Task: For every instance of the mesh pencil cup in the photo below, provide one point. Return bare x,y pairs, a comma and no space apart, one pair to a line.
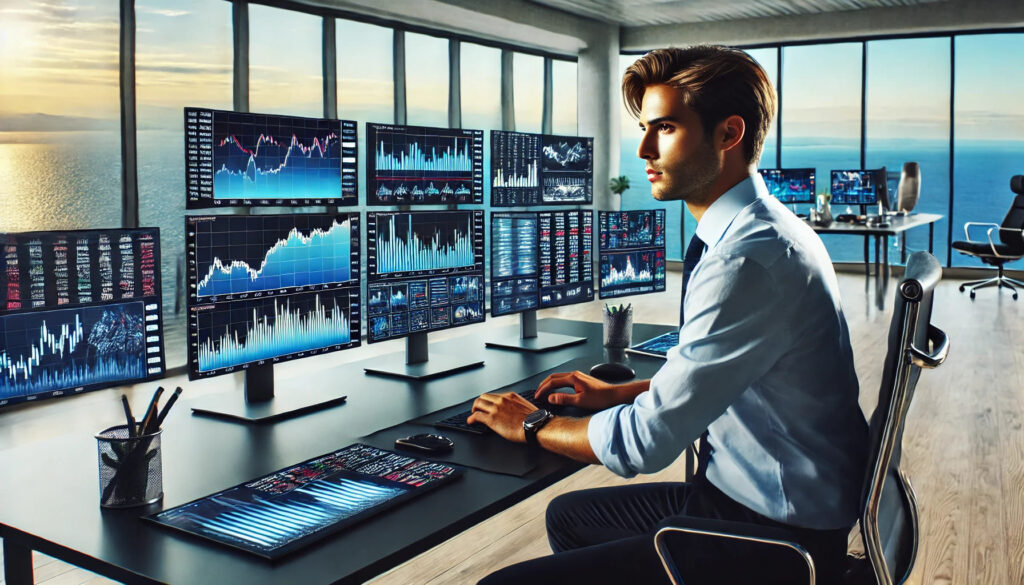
618,328
129,467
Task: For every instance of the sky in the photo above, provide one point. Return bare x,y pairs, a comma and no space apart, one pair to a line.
59,60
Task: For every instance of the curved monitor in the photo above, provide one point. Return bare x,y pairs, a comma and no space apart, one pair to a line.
425,271
79,311
270,288
790,185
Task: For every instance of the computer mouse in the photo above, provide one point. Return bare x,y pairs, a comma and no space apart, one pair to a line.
612,372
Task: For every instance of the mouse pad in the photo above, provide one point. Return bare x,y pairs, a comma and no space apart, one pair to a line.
485,452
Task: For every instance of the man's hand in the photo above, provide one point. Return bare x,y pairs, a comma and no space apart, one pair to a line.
504,413
591,393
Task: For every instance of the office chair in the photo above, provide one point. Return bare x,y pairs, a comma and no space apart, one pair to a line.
888,514
1009,248
908,191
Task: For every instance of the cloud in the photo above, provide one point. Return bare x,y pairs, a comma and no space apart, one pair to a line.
183,68
163,11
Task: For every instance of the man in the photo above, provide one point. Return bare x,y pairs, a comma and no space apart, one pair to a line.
764,362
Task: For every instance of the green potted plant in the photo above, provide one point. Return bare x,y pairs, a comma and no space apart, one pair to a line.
619,184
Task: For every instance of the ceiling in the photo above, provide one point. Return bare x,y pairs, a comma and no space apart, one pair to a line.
634,13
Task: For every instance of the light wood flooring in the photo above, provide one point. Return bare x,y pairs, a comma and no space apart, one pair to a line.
963,448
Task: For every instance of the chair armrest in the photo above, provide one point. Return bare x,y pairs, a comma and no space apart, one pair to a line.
992,245
703,527
969,224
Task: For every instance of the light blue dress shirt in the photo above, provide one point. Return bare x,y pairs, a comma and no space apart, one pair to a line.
764,363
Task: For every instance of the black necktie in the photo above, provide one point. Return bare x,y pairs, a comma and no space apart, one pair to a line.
693,253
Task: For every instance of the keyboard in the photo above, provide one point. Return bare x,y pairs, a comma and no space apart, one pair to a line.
457,422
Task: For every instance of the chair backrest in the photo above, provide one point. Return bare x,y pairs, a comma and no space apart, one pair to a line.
889,511
1015,217
909,189
882,188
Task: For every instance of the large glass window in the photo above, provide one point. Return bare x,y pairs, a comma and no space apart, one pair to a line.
285,62
638,196
183,58
528,91
768,59
821,120
426,80
366,81
908,121
989,123
60,141
563,97
480,83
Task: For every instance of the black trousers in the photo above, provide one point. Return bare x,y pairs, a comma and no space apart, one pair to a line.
606,535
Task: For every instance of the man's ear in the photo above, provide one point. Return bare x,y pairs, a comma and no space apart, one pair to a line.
730,132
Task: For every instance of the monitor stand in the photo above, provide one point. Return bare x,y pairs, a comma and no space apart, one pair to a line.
303,394
529,339
416,364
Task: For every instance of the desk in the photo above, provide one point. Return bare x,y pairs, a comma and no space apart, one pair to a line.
51,498
898,224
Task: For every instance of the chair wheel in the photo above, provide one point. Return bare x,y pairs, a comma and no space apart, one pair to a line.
972,295
961,288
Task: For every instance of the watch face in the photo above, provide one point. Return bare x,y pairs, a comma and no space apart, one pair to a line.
536,417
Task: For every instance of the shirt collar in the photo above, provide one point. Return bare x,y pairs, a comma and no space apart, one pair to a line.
720,214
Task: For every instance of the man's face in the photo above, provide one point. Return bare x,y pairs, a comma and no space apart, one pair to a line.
681,162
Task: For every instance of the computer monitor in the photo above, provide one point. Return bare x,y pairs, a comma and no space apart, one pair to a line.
265,289
631,247
425,272
790,185
855,187
539,259
417,165
540,169
239,158
79,311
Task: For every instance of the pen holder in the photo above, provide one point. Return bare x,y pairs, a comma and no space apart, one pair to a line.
130,469
618,328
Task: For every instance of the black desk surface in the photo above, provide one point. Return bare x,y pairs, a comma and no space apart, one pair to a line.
50,493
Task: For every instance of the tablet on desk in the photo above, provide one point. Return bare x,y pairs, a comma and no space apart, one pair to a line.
284,511
656,346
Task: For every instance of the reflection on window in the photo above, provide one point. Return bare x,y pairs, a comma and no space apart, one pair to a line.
183,58
768,60
60,147
908,120
563,97
989,118
638,196
426,80
366,83
821,120
285,62
528,89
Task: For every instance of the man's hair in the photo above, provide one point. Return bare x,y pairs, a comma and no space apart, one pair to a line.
716,82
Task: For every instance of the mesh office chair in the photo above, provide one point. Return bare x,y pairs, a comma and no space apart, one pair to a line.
888,518
1010,246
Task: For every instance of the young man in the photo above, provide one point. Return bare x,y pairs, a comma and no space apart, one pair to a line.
764,362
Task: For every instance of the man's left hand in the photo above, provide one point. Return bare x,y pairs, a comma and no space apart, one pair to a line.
504,413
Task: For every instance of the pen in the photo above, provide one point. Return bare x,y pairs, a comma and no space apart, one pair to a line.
151,411
167,408
128,416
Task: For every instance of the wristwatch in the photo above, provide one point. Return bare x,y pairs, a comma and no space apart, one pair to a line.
534,422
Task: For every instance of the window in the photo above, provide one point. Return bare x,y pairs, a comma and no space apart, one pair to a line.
528,90
821,87
989,122
768,59
426,80
563,97
480,83
60,141
183,58
908,120
285,62
366,81
638,196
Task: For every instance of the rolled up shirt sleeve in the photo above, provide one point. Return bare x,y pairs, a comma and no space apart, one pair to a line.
738,324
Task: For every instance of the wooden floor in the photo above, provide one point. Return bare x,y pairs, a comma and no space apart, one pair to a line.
963,449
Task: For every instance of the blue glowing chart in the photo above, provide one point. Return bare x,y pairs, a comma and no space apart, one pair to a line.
420,165
790,185
230,256
284,511
631,252
235,158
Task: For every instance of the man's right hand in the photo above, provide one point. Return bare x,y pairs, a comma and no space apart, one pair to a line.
591,393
